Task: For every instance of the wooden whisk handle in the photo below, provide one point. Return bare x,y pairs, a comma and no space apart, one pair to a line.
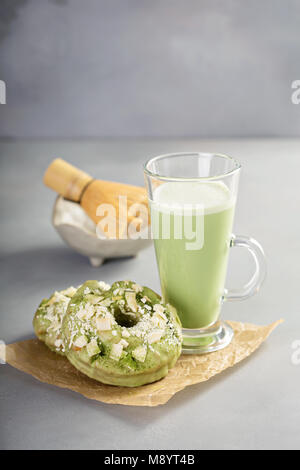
66,179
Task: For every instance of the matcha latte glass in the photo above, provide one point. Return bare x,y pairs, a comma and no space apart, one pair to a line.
192,198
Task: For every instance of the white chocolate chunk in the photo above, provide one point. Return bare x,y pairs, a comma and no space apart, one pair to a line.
103,285
158,308
131,301
137,288
92,348
106,302
103,324
116,351
154,336
159,320
85,312
124,343
125,334
140,353
95,299
70,291
89,310
100,310
58,343
58,297
80,342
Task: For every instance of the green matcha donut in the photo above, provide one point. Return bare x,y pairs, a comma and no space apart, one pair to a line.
122,336
48,318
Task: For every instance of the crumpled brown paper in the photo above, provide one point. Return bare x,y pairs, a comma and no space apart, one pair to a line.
36,359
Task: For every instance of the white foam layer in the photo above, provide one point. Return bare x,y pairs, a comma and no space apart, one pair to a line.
210,197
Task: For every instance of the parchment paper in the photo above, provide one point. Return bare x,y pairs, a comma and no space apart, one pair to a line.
34,358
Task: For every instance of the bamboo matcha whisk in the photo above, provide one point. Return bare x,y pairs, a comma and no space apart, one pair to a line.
76,185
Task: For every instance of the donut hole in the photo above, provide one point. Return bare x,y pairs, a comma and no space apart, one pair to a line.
125,319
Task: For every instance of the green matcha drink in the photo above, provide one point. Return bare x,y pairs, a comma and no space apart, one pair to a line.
193,274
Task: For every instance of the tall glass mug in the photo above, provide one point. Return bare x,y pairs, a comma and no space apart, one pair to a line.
192,198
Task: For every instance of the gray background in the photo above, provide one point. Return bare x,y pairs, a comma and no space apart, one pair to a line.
149,67
255,405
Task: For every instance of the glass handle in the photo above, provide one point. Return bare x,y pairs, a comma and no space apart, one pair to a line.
253,285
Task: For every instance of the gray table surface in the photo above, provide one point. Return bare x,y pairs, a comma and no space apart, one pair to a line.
255,405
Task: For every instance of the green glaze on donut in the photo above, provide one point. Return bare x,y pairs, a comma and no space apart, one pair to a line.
122,336
48,318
